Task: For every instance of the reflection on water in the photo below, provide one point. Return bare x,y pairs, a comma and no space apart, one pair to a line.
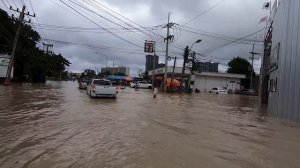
58,125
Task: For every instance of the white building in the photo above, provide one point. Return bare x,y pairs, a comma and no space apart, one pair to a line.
205,81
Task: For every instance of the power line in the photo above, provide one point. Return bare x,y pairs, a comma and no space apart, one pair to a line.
94,47
43,33
226,44
87,31
231,40
107,12
90,46
204,12
5,5
22,1
125,18
99,25
8,7
15,3
89,28
199,31
109,20
112,22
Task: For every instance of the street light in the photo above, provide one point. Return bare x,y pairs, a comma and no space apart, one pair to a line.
198,41
193,55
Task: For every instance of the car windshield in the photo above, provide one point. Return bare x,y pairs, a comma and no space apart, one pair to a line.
101,82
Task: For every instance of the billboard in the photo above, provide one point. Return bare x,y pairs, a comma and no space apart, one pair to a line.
149,46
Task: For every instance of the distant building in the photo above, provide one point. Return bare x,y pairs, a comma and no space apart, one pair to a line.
149,62
121,69
207,67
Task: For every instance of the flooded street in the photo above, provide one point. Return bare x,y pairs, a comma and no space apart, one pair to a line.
58,125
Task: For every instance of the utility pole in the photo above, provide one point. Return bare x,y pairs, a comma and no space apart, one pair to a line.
113,70
167,39
11,61
175,58
192,68
47,47
167,53
252,58
185,57
153,76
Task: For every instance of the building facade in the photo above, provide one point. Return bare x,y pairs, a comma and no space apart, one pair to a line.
205,81
281,63
149,62
114,70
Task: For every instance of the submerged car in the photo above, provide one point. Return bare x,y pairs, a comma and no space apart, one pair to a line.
84,83
141,84
250,92
218,90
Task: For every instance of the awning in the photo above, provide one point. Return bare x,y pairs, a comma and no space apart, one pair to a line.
128,78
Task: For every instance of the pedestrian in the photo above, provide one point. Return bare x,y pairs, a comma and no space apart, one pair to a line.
155,91
136,86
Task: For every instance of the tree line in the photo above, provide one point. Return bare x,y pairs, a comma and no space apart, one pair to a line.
31,63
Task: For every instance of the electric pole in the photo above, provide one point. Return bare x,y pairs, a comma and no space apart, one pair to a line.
185,58
167,39
19,23
47,47
113,70
252,58
154,62
192,61
171,83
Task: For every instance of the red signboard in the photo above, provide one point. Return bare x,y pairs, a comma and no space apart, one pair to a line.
149,47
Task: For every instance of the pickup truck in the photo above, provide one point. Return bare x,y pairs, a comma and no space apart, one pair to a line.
83,83
141,84
101,88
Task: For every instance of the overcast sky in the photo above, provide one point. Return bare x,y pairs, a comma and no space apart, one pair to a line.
118,28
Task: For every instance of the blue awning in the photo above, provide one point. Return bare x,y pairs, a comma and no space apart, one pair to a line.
111,77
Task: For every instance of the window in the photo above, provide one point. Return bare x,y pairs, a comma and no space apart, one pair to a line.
273,85
102,82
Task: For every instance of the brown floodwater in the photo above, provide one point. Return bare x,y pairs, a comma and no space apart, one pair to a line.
58,125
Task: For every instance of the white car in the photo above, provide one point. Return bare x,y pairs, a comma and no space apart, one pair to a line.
101,88
218,90
141,84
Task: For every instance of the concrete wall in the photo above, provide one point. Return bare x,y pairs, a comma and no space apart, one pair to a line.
284,102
